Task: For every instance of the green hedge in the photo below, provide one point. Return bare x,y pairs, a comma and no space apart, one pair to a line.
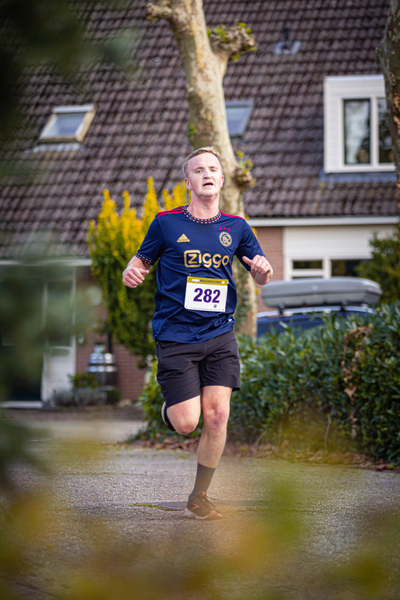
335,386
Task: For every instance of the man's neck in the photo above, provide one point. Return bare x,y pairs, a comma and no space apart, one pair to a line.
204,210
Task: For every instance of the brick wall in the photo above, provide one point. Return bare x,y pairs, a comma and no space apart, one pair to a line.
271,241
130,379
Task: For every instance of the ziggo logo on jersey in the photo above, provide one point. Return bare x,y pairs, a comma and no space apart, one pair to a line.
194,258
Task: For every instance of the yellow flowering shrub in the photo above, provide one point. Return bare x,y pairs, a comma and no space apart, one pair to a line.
178,193
113,239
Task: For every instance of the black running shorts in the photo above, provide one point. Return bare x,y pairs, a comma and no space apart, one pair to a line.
183,369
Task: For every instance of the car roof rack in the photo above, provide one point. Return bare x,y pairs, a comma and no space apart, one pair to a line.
319,292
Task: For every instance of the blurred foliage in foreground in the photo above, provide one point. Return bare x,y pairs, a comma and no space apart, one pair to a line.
58,35
288,549
27,323
331,387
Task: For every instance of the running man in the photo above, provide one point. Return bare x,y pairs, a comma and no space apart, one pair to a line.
196,348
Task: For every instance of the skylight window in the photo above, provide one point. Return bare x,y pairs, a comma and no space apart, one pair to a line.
68,124
238,115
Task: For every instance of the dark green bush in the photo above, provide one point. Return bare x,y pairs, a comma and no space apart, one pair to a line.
277,375
335,386
384,266
83,380
344,376
376,383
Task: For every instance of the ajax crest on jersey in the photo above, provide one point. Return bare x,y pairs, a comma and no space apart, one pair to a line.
225,239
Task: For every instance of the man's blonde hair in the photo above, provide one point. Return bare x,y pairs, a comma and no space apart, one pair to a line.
205,150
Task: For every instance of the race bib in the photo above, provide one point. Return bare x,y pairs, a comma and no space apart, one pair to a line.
206,294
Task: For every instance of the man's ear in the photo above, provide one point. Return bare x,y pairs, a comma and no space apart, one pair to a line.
187,183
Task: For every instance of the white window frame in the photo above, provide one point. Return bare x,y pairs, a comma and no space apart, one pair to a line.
79,134
328,242
292,273
337,89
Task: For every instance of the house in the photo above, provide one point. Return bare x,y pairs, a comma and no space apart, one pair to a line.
308,108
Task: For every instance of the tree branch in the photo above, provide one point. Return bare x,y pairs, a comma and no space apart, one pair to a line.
162,9
233,42
244,178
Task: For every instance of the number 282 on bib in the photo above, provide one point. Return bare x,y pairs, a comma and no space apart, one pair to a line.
207,294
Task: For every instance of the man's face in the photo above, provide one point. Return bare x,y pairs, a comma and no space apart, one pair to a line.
205,177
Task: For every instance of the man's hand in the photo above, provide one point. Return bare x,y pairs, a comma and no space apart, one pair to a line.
134,273
260,269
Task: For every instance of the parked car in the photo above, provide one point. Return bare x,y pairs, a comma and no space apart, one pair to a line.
301,303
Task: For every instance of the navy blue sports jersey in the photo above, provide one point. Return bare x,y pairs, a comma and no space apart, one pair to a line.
196,294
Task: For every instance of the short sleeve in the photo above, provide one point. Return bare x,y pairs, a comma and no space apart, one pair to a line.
249,245
153,244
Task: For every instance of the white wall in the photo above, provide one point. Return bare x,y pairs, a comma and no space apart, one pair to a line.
328,242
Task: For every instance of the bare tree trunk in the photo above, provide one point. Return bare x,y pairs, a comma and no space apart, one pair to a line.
389,59
205,59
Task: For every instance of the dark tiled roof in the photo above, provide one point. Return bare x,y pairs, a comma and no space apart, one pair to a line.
140,125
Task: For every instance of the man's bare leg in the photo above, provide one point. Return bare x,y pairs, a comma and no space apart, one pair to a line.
184,418
215,401
185,415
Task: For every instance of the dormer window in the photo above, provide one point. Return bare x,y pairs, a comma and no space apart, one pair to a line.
68,124
238,115
356,127
362,119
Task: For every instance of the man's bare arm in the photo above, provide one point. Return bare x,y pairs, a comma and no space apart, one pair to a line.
134,273
261,270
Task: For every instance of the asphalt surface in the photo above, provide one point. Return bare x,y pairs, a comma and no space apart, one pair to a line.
326,515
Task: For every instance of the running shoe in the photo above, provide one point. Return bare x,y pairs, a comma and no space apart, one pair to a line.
164,416
199,507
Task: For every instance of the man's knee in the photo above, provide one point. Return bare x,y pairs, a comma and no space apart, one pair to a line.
185,416
216,417
186,427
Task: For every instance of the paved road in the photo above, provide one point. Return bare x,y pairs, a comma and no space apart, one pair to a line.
320,516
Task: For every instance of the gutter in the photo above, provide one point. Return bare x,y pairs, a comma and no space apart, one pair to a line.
68,262
318,221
